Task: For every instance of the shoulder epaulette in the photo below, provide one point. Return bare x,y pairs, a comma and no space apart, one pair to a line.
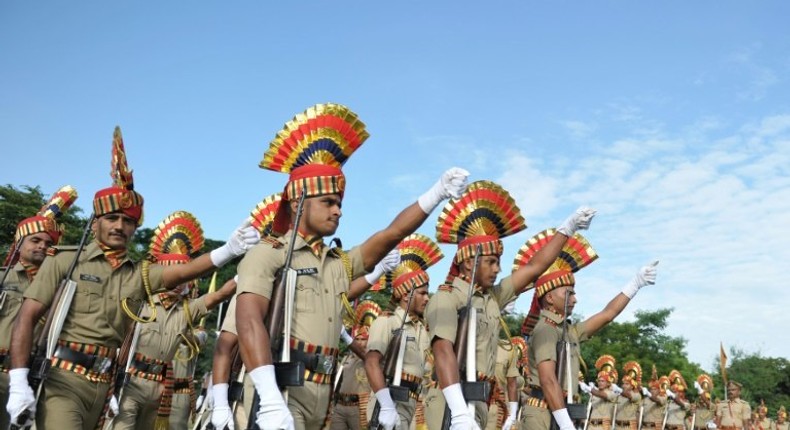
446,287
550,322
272,241
339,253
54,250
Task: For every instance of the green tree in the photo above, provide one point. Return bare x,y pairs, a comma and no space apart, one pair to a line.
763,378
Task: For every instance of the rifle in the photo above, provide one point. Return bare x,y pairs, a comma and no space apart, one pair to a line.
278,322
48,339
465,349
126,353
11,258
666,415
575,411
393,367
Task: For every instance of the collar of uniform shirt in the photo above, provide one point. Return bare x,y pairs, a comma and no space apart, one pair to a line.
316,243
114,256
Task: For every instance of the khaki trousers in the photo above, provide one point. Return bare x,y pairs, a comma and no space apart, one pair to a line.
70,401
434,410
139,404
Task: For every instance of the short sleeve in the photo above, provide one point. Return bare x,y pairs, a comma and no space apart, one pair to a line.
258,270
441,316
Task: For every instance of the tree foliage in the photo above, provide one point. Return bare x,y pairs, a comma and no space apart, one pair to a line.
763,378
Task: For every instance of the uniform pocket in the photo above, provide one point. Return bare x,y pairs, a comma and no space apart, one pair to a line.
11,304
87,297
306,296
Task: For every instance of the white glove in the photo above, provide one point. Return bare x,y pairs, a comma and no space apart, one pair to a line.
388,416
222,417
645,276
670,394
580,220
114,405
563,419
201,337
199,402
273,413
645,392
461,418
511,417
616,389
711,425
239,242
584,387
451,184
345,336
387,264
20,397
698,387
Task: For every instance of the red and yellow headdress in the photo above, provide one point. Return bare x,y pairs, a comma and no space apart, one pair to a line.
762,408
706,382
312,148
521,347
632,374
45,220
605,365
482,216
781,413
262,217
677,381
664,383
417,253
120,197
576,254
176,240
366,312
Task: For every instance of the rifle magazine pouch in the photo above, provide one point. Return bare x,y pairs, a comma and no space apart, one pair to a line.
289,374
236,391
476,391
399,394
577,411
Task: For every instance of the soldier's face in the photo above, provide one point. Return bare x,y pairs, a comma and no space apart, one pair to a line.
419,301
321,215
557,299
487,270
603,384
114,229
34,248
733,391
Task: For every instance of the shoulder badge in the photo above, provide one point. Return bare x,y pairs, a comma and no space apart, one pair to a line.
54,250
272,241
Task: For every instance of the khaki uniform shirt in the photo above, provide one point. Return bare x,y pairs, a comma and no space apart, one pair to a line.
14,286
542,346
160,339
355,380
783,426
95,316
677,413
442,317
733,412
602,409
654,409
505,368
417,342
702,415
765,424
628,408
318,305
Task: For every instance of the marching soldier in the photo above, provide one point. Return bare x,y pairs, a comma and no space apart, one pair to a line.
32,241
604,397
703,410
733,413
655,403
552,304
351,401
676,415
763,422
504,405
630,399
477,222
76,388
147,398
410,295
781,419
184,394
312,148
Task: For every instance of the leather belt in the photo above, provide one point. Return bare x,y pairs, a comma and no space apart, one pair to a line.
93,363
180,385
344,399
148,367
598,422
318,363
649,425
622,423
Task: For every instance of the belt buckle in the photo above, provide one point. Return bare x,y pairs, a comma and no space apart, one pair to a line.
324,364
155,368
101,364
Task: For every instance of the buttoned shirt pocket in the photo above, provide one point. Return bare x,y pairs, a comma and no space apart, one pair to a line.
11,303
87,297
307,293
149,333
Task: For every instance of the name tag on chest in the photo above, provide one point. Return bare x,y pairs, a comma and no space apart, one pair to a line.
90,278
307,271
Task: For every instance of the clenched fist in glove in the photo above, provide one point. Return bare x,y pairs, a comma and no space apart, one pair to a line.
580,220
388,415
20,397
451,185
240,241
512,409
273,413
387,264
645,276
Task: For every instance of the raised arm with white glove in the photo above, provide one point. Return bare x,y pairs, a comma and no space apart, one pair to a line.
386,265
451,185
273,413
698,387
645,392
512,409
580,220
584,387
240,241
616,389
221,415
461,418
20,397
388,415
645,276
670,394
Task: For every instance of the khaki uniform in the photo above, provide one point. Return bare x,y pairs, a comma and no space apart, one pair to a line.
183,372
765,424
653,415
505,368
676,416
159,340
73,396
628,411
317,309
542,346
602,410
701,416
414,358
13,287
442,318
350,409
783,426
732,413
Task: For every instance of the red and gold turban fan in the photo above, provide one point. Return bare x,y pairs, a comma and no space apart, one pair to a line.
576,254
366,312
482,216
120,197
706,383
262,217
417,253
45,221
677,382
312,148
605,365
632,374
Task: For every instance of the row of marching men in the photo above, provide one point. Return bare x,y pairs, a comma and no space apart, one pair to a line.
663,404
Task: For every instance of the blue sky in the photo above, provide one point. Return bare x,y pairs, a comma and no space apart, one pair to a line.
670,118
